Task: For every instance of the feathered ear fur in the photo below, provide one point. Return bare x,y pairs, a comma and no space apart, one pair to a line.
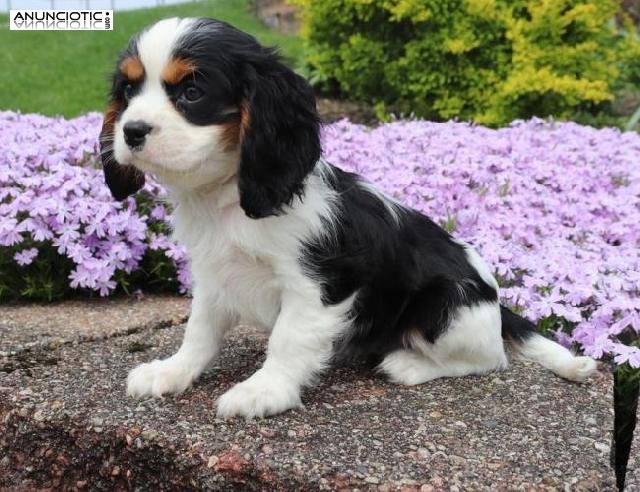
123,181
280,140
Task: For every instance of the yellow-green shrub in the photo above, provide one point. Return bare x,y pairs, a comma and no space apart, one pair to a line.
487,60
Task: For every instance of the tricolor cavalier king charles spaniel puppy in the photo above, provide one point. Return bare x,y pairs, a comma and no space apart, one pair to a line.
278,237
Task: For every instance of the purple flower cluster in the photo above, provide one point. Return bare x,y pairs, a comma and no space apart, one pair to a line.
52,194
553,207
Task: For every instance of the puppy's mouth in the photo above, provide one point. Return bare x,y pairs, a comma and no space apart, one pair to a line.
137,157
132,157
164,171
137,148
144,164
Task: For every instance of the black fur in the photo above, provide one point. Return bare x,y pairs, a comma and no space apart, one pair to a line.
281,144
123,181
410,275
515,328
216,50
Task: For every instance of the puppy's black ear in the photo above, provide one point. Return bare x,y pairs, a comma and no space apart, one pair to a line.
123,181
280,137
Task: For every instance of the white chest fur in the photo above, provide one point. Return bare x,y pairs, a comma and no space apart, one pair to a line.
247,263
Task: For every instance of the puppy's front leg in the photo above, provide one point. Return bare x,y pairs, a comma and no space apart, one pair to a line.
201,344
300,346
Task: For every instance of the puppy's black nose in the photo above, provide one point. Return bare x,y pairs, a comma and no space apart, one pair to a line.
135,132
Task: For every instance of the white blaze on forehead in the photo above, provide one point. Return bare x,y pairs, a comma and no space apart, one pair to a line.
158,42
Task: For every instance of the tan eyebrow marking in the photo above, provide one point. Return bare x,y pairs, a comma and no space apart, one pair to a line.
177,69
132,68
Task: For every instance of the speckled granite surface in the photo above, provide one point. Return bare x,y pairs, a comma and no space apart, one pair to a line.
27,325
66,423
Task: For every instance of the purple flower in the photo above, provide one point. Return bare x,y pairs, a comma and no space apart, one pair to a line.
158,212
26,256
628,354
52,193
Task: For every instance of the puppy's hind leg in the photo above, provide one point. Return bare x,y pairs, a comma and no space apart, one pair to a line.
472,344
410,367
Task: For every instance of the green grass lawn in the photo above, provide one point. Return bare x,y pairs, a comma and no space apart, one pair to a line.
66,72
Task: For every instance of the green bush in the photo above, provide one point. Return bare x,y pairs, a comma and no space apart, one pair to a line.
491,61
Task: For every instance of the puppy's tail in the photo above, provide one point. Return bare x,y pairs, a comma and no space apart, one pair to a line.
523,336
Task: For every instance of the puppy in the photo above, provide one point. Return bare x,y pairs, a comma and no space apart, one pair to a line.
280,238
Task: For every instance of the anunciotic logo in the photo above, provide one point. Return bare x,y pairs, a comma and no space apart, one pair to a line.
61,20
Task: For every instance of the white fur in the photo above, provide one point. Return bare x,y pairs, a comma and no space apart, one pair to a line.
555,357
299,347
539,349
249,268
156,44
206,327
480,265
471,345
242,268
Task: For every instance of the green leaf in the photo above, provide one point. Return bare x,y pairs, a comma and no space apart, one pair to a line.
626,388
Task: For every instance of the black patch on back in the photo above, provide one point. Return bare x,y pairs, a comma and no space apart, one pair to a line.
410,276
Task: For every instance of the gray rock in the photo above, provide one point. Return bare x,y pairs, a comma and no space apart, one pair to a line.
357,431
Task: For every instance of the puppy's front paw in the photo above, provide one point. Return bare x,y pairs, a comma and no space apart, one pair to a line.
160,377
261,395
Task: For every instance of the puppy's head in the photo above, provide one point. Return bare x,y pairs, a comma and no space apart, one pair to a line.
197,102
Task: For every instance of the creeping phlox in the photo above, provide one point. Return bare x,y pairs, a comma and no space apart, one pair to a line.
553,207
52,195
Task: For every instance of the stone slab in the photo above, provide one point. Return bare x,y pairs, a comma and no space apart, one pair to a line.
28,324
66,423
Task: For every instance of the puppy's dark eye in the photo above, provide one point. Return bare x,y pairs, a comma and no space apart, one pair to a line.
128,92
191,93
